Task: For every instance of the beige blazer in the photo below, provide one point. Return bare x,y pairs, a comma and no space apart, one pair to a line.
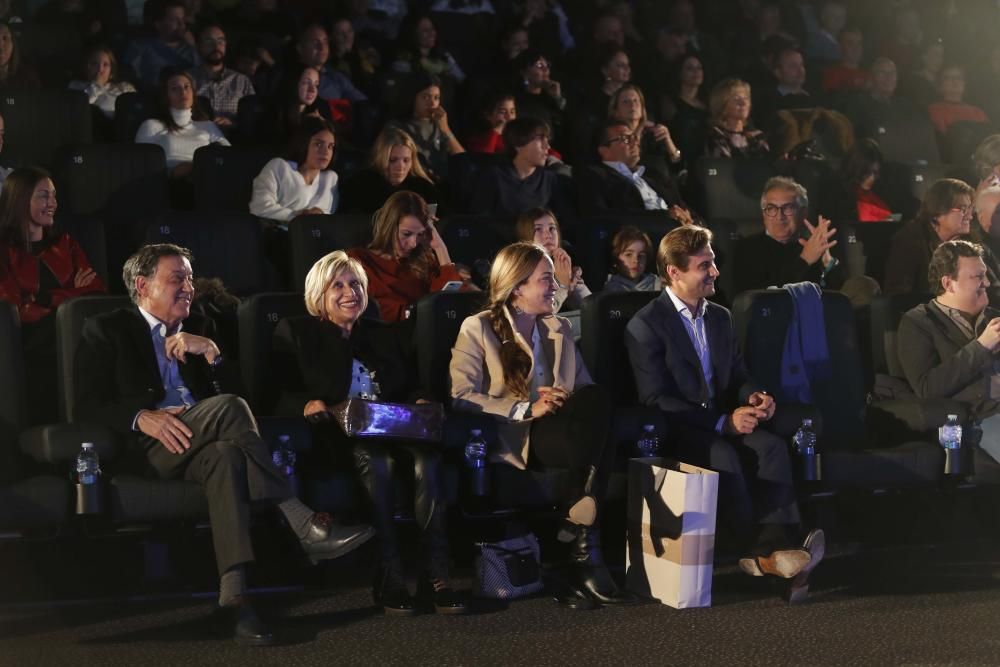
477,377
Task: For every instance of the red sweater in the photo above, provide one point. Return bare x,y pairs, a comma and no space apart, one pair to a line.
20,280
394,287
944,114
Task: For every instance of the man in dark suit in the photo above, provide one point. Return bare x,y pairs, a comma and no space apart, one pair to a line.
947,346
618,183
686,361
149,373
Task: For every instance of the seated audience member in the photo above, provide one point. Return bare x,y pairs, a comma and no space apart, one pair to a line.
428,126
618,183
332,355
719,414
420,51
731,133
499,111
406,259
174,413
685,108
100,80
223,87
614,71
872,110
539,226
313,49
358,62
923,83
630,251
847,75
950,108
987,230
302,184
540,96
860,172
986,160
169,48
394,166
546,22
789,71
789,249
522,182
15,74
548,412
299,99
179,125
947,346
823,42
40,269
628,106
944,215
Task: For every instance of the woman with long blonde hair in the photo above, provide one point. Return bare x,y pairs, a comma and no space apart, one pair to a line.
518,362
394,166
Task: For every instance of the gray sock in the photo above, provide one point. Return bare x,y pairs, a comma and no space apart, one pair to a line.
232,585
298,516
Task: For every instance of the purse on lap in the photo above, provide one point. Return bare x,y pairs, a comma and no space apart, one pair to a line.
365,418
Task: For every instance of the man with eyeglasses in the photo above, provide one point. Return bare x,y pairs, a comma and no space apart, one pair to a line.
222,86
619,183
790,249
945,214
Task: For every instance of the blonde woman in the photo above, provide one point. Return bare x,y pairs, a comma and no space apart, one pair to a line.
331,355
730,133
394,166
406,259
628,105
517,362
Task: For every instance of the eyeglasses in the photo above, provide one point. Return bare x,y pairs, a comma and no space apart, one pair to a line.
965,209
771,210
625,139
541,64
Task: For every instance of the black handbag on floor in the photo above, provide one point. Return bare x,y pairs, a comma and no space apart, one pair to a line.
508,569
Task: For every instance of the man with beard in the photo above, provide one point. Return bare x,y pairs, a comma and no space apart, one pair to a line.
222,86
686,361
169,48
947,346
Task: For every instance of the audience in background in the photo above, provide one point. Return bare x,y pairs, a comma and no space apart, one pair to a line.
299,99
950,107
656,145
539,226
313,50
861,171
170,47
522,182
421,53
630,253
538,95
223,87
100,80
394,166
847,75
499,110
731,133
428,126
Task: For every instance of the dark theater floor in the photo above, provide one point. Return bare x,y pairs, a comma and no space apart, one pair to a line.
922,590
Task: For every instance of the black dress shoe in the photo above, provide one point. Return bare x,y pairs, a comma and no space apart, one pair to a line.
246,626
440,596
325,540
389,592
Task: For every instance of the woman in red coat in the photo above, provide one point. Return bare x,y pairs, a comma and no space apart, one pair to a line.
39,269
406,259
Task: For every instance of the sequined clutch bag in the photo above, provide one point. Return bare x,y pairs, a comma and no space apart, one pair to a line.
364,418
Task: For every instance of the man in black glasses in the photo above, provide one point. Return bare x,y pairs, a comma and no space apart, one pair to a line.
619,183
790,249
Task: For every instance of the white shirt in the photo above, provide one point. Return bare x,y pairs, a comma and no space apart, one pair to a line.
650,200
180,146
541,374
103,96
280,191
694,324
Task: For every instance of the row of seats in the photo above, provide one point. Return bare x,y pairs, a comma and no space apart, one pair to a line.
884,444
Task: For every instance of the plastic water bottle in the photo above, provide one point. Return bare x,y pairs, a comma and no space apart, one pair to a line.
284,456
88,466
475,461
648,444
805,443
950,437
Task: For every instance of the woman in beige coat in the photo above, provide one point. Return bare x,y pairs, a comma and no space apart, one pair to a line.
518,362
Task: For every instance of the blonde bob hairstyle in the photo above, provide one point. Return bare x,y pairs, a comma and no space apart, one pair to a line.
512,267
323,273
616,98
721,94
389,138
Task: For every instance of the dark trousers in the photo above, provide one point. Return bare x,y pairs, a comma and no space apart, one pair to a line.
756,485
376,462
232,464
576,438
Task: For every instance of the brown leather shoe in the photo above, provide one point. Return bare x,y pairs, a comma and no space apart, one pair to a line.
784,563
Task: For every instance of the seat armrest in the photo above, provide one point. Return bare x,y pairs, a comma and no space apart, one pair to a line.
60,443
921,414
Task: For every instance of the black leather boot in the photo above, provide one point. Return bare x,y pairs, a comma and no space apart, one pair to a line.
389,590
437,594
590,571
582,511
